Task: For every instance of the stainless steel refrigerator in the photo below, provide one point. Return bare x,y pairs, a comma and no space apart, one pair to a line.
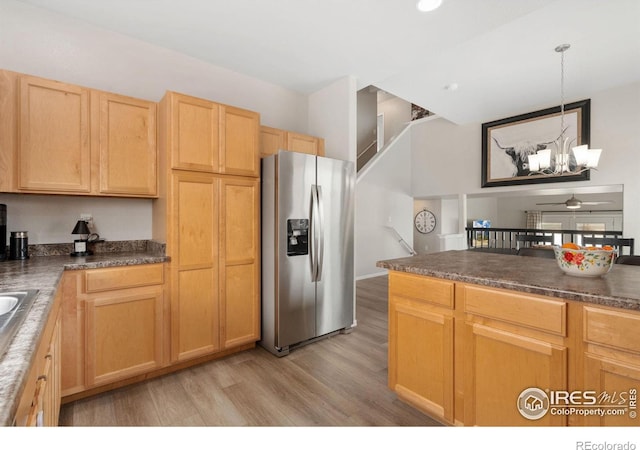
307,249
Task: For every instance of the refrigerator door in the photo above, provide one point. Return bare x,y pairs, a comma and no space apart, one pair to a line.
335,285
295,299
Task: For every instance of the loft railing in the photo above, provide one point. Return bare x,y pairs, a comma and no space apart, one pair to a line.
506,240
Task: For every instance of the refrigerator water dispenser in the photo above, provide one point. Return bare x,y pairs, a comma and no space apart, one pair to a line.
297,237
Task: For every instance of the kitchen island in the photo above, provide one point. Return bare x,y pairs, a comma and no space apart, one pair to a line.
44,274
491,339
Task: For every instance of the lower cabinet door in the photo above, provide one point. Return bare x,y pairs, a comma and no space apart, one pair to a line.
616,384
240,268
421,358
124,335
500,369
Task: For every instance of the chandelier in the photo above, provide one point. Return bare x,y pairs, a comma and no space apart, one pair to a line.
558,160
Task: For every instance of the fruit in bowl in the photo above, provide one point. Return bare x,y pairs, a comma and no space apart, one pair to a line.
584,261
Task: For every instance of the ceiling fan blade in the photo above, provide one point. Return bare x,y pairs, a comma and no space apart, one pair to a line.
603,202
556,204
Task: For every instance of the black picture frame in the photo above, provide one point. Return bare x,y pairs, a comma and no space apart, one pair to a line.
506,142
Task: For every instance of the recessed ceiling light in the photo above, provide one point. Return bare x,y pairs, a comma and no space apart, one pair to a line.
451,87
428,5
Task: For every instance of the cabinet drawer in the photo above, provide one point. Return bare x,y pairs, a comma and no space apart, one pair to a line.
422,288
616,329
527,310
98,280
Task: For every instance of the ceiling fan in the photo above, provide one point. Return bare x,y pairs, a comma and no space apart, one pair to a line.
574,203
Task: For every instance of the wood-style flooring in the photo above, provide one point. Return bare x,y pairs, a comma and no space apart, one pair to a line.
337,381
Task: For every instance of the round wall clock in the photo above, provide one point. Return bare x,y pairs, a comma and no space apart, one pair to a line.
425,221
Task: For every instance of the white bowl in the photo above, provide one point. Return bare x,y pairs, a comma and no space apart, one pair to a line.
584,263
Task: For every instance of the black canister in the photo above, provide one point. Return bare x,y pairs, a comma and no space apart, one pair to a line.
18,245
3,232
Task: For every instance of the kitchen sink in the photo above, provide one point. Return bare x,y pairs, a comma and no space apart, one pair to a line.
14,307
8,303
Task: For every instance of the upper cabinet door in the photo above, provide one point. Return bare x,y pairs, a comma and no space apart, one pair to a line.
305,144
54,143
271,140
127,145
194,133
240,142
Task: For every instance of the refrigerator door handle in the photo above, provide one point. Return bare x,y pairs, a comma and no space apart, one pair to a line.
320,250
314,233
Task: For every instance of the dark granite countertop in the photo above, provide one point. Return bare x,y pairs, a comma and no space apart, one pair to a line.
44,273
620,288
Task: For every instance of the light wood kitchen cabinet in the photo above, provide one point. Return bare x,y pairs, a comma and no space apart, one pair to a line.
194,248
305,144
611,340
117,322
205,136
114,325
192,126
124,132
59,138
73,333
421,343
273,139
54,153
8,127
513,342
240,269
464,353
208,214
215,272
40,401
240,142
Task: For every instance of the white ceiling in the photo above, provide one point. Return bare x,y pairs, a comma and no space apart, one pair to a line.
500,53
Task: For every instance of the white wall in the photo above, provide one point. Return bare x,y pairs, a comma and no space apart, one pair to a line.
484,208
447,157
333,115
397,114
367,118
50,219
383,197
450,216
37,42
430,242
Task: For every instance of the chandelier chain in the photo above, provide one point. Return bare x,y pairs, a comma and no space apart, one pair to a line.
561,91
561,49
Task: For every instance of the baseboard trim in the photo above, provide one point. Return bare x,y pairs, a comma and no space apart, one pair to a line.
372,275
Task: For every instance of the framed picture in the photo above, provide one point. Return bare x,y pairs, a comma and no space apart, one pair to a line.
418,112
506,143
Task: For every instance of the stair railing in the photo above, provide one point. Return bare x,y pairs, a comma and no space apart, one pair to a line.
402,242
